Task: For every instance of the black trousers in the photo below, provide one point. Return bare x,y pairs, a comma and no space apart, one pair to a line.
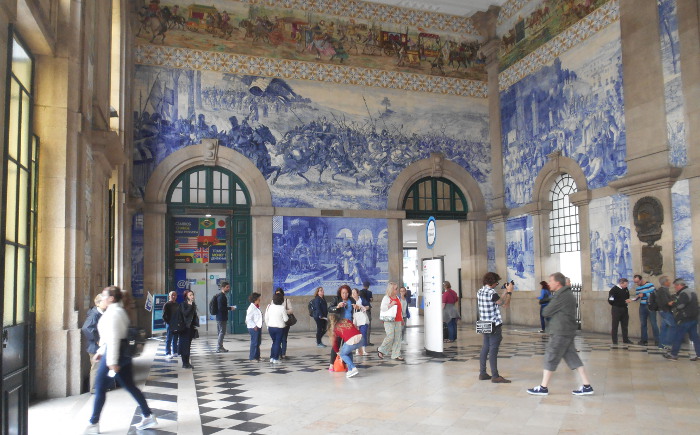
619,316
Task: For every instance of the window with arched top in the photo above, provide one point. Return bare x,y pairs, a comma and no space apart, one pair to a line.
438,197
563,220
208,187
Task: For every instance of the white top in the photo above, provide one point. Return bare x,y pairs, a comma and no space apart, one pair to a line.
253,317
113,327
275,316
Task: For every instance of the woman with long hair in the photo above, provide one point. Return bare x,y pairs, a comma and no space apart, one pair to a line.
343,329
342,306
392,342
360,319
545,295
285,332
188,328
115,361
254,321
320,314
276,318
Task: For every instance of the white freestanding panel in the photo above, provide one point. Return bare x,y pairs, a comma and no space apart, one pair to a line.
432,294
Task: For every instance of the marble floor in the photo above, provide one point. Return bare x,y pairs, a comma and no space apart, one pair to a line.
636,391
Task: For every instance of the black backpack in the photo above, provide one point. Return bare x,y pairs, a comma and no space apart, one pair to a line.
652,302
214,305
311,308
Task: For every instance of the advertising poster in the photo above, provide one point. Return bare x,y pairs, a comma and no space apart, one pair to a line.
158,324
200,240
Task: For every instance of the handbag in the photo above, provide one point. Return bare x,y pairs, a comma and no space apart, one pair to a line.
544,301
388,315
484,327
359,318
291,321
339,365
196,333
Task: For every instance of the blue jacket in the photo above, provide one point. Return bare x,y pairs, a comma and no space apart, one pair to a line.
90,330
222,312
320,307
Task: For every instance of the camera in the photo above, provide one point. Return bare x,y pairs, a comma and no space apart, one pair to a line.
506,283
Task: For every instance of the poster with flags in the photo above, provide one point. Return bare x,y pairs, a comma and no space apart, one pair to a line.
200,240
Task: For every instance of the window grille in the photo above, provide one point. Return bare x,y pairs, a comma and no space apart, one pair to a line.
563,220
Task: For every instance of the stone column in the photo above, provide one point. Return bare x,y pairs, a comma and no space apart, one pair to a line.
474,263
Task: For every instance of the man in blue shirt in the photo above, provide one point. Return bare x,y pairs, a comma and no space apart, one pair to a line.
642,291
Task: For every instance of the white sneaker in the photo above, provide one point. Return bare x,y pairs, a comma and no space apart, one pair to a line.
147,422
168,356
352,373
92,429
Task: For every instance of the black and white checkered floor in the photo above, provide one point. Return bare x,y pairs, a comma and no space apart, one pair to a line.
222,380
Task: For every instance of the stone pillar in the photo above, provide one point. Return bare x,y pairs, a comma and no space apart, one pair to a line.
474,263
154,255
395,245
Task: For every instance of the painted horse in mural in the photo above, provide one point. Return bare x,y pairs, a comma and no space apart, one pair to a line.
156,24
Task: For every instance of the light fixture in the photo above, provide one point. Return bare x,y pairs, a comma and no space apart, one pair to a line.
411,242
416,224
207,215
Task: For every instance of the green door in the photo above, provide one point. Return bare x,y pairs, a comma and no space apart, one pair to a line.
240,269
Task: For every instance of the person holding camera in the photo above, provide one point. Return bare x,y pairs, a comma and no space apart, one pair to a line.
489,302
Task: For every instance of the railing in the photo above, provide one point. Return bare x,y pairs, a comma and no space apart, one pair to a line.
576,288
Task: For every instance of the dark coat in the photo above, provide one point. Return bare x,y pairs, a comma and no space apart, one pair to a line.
320,307
186,318
561,312
90,330
222,312
170,311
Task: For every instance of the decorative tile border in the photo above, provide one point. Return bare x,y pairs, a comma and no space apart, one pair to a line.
574,35
378,12
510,8
184,58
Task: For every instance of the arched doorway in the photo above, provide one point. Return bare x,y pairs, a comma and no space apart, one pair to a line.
208,241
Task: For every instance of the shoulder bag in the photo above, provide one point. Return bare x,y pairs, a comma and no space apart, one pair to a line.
388,315
359,318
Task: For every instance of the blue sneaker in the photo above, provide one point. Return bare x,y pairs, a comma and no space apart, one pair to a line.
320,345
538,391
583,391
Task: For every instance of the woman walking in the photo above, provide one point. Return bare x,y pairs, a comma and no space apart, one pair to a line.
351,337
392,342
188,328
320,310
115,361
285,333
275,318
254,321
544,297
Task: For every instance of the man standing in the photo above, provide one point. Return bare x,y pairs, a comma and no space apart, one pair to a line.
171,337
685,312
562,331
366,293
93,336
642,290
668,324
619,297
489,302
222,315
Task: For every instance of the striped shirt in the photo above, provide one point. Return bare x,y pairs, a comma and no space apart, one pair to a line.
644,291
489,311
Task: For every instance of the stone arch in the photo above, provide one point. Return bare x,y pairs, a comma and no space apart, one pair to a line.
208,153
437,166
557,165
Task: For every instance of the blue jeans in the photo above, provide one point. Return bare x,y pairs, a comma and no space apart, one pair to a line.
690,328
452,329
255,339
285,334
171,341
645,314
347,350
668,328
364,329
276,336
125,377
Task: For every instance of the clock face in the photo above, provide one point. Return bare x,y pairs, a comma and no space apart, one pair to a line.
431,232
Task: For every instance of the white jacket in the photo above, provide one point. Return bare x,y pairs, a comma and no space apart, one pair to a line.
276,316
113,328
253,317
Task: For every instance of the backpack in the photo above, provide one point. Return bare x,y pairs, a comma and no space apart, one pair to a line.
652,302
311,308
214,305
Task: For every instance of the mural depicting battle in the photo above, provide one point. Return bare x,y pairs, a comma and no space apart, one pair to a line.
311,252
537,23
318,145
274,31
670,55
575,105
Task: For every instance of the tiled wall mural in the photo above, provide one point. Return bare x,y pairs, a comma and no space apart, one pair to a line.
610,241
575,105
318,145
670,55
311,252
137,255
682,235
490,247
524,26
353,33
520,252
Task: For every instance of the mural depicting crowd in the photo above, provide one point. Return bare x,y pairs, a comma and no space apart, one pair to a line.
328,252
299,146
577,110
682,232
520,252
610,237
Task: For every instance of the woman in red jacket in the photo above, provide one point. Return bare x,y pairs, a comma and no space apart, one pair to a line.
352,339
